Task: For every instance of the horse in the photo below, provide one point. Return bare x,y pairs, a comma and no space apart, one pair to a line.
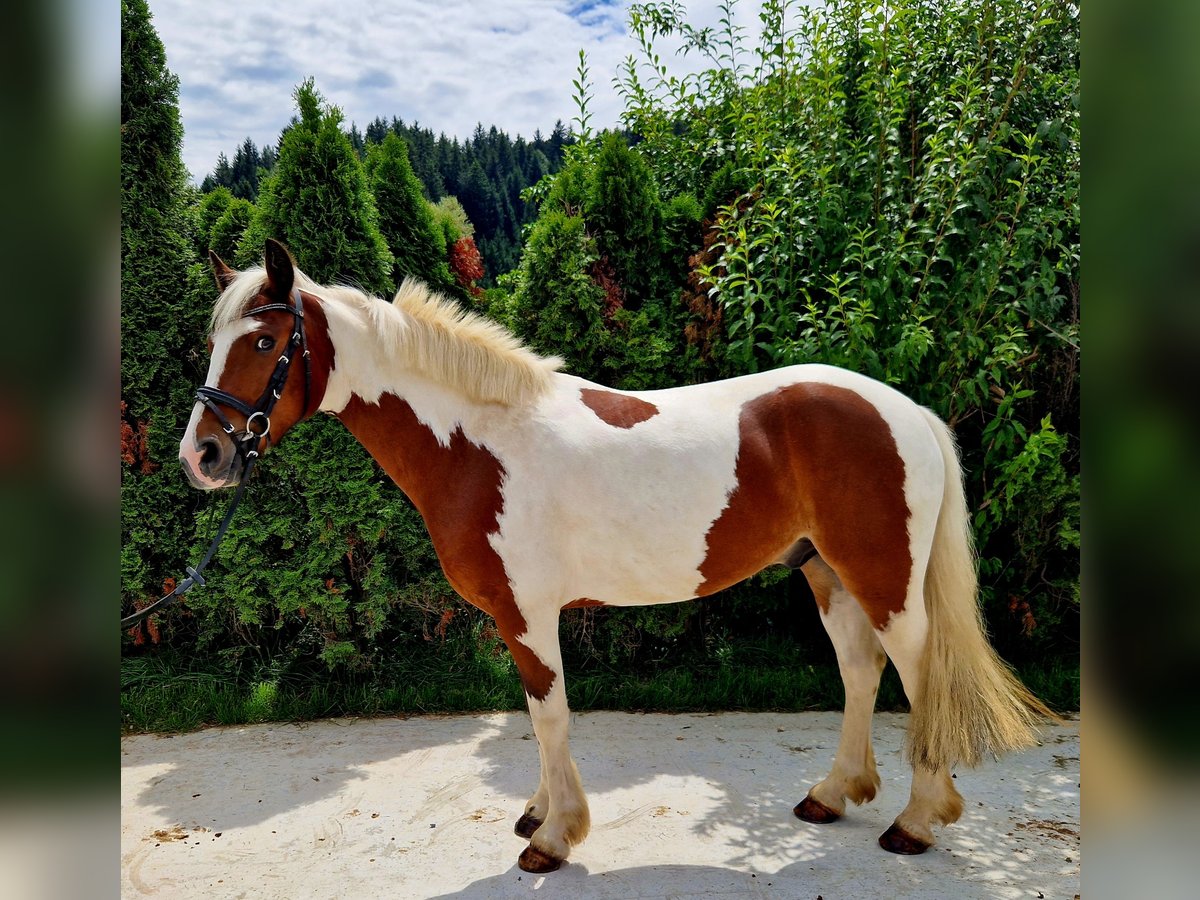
542,492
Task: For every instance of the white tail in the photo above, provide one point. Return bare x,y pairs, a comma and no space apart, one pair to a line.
970,703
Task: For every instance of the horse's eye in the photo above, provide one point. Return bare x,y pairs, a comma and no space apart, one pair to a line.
264,343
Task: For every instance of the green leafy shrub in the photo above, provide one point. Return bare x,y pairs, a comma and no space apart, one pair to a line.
914,216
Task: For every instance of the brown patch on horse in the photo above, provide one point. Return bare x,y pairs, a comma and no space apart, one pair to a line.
456,489
618,410
816,461
583,603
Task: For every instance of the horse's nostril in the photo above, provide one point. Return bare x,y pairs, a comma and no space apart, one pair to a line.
210,452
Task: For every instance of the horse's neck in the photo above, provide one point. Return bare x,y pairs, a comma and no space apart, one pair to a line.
445,473
414,427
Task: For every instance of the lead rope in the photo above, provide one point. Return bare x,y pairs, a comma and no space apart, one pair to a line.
210,397
193,572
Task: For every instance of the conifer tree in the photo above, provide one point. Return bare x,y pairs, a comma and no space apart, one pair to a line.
228,231
342,542
209,210
625,212
317,202
405,217
478,197
557,306
162,317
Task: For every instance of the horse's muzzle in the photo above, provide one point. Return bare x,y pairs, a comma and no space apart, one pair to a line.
210,463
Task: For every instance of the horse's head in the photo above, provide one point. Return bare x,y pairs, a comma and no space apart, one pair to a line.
259,376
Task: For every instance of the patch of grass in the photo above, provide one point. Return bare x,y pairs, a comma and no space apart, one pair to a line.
166,696
1055,683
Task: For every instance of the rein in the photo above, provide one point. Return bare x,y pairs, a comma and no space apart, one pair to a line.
257,429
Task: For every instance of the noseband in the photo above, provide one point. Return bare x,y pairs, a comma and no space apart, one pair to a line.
258,416
247,441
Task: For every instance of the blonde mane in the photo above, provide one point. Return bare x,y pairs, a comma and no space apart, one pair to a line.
425,331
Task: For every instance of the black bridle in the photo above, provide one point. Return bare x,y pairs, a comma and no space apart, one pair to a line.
246,442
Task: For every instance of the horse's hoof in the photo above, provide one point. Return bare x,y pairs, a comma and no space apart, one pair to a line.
897,840
534,860
527,825
815,811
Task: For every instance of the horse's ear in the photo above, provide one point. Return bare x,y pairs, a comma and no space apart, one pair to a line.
221,272
281,271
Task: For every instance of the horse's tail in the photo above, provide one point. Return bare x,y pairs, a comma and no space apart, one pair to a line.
970,703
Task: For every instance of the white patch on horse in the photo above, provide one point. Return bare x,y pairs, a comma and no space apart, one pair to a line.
223,342
628,510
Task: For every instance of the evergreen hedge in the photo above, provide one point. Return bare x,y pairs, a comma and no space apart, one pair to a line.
888,187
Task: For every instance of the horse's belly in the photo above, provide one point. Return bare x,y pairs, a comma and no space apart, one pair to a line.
627,531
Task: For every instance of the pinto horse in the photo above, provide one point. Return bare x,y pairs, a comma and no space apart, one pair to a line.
542,491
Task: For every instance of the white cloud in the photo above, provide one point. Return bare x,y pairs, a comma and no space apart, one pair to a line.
448,64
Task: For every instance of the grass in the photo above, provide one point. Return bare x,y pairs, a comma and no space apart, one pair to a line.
164,696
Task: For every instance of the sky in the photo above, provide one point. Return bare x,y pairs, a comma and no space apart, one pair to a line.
447,64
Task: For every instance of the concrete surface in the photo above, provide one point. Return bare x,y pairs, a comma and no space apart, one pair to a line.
682,806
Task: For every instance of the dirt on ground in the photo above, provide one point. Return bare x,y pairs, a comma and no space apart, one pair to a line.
682,806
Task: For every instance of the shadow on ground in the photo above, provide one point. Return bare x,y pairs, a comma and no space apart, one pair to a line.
682,805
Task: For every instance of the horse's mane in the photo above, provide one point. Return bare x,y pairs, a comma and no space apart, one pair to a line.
425,331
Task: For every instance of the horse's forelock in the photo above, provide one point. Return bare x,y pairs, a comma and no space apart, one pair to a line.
236,299
241,293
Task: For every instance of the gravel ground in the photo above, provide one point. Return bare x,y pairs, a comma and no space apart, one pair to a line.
682,806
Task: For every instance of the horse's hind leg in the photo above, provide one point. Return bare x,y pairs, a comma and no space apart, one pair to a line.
934,799
556,817
861,660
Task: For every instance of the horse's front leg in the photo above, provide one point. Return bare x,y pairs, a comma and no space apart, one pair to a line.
538,805
556,817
